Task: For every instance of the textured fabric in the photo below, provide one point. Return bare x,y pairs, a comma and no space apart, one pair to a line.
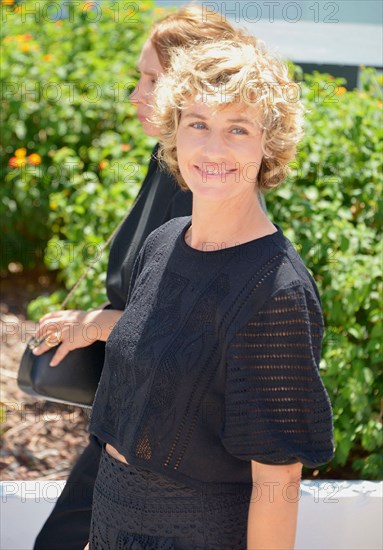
274,396
137,509
168,399
159,200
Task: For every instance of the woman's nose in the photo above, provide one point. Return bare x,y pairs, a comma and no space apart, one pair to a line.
136,96
214,147
133,98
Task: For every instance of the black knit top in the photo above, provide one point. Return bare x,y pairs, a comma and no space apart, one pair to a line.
215,362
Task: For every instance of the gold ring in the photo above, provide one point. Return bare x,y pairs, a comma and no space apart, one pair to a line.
52,340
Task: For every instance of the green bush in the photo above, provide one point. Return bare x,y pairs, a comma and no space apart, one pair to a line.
69,134
93,157
330,208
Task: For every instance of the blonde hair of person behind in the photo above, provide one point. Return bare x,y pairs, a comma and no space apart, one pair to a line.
190,26
228,72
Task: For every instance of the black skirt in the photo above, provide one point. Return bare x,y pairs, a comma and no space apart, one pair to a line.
135,509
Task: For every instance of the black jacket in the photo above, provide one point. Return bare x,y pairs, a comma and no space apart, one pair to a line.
159,200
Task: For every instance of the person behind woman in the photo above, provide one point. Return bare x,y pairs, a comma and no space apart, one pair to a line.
210,399
159,200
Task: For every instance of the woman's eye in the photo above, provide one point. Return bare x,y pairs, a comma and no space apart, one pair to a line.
198,125
239,131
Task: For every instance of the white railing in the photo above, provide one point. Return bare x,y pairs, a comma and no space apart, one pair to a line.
333,515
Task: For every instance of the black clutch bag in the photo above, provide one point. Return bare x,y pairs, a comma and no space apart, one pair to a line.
73,381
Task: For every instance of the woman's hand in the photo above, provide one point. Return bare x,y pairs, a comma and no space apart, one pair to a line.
73,329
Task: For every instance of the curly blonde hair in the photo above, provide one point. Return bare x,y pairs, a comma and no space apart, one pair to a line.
230,72
188,26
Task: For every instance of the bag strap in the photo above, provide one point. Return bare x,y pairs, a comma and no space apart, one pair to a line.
89,269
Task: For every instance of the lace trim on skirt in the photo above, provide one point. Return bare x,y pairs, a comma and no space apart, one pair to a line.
136,509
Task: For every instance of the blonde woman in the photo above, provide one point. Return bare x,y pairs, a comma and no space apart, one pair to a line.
159,200
210,400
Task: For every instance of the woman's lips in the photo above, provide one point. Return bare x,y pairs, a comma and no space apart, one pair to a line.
142,118
214,172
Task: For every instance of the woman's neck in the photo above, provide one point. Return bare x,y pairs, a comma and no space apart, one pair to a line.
216,225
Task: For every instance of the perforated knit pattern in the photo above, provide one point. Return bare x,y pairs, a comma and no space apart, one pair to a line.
276,408
215,362
136,509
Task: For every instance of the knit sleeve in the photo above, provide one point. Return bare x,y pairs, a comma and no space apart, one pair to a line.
276,408
137,267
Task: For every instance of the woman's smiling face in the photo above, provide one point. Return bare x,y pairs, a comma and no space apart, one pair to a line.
219,151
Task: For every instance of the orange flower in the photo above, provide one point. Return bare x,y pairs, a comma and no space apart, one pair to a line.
58,23
20,153
340,90
88,6
48,57
103,164
34,159
27,36
17,162
25,48
379,103
125,147
8,2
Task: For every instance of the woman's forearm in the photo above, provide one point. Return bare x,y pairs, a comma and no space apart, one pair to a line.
273,508
103,320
